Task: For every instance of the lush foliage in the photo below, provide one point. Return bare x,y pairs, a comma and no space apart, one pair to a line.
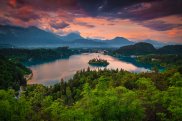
102,95
169,60
12,74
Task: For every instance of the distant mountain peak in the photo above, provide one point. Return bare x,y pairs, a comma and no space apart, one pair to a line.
72,36
143,43
27,36
32,27
155,42
119,38
74,33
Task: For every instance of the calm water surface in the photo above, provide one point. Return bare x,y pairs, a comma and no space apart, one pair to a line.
52,72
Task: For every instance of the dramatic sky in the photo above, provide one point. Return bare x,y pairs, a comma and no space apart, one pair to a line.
105,19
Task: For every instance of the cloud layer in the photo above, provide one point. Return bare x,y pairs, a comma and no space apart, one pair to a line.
158,17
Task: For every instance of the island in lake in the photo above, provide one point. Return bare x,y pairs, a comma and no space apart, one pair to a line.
98,62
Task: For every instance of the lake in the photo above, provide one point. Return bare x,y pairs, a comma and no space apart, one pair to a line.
49,73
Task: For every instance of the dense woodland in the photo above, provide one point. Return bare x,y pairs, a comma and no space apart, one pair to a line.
165,60
22,55
102,95
12,74
143,48
40,55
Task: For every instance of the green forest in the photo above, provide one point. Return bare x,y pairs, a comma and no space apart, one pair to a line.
12,74
143,48
21,55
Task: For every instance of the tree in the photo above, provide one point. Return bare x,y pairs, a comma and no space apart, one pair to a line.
176,80
12,109
172,99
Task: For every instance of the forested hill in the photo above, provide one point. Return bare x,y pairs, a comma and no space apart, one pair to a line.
170,49
12,74
138,48
143,48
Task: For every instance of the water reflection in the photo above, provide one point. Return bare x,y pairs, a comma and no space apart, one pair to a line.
50,73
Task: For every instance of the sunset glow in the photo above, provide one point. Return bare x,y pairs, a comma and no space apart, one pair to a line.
104,19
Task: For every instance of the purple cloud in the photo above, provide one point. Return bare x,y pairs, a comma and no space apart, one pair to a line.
160,25
85,24
59,25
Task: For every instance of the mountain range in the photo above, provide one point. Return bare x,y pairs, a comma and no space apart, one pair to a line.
22,37
13,36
